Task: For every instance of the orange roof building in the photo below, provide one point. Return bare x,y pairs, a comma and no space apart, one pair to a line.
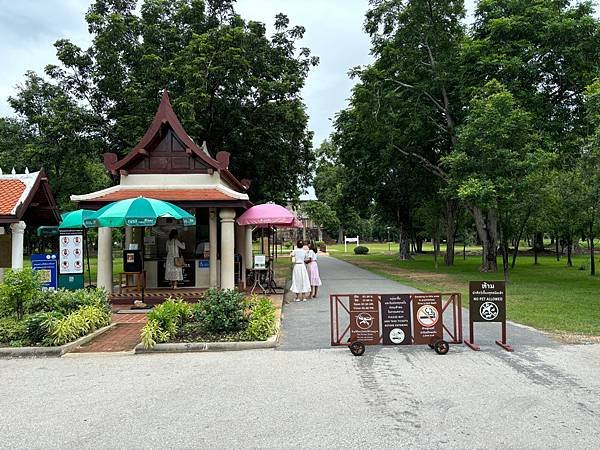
26,201
168,165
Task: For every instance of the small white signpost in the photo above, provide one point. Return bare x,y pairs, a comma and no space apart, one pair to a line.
349,239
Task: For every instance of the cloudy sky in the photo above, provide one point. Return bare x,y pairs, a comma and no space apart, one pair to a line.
28,29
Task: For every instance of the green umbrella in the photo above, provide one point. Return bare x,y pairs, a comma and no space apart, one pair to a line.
137,212
74,219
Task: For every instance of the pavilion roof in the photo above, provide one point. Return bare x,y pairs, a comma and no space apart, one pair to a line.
27,197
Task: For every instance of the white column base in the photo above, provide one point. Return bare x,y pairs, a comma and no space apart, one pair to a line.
105,264
18,232
227,216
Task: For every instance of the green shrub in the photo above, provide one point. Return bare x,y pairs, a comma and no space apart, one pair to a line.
12,330
361,250
287,244
66,302
77,324
164,321
37,326
261,323
19,293
221,311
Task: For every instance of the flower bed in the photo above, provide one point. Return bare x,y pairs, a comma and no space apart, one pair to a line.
31,317
219,316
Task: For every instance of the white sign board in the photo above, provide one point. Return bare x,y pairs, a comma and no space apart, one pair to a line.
71,252
351,240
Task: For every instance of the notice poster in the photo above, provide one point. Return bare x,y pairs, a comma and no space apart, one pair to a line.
364,318
71,252
487,301
427,316
396,320
45,265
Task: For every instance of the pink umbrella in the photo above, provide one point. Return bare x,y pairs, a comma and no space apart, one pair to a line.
269,214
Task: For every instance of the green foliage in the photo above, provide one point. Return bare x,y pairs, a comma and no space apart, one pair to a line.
12,331
261,323
37,326
221,310
65,302
19,292
85,320
361,250
321,214
165,320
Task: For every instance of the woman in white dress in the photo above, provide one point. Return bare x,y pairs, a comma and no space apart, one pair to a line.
313,270
173,273
300,280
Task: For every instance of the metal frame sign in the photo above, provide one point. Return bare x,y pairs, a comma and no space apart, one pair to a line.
364,318
46,265
396,320
487,303
71,252
427,317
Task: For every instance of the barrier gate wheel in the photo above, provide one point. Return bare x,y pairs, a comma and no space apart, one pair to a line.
441,347
357,348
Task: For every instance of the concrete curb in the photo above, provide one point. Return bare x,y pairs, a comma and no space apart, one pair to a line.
207,346
38,352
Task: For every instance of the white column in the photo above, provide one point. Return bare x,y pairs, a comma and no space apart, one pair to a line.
18,232
227,216
1,268
248,249
212,237
105,263
240,248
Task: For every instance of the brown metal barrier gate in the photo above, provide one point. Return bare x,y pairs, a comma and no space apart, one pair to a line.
340,326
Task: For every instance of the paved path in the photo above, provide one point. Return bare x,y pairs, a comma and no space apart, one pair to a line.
123,337
306,325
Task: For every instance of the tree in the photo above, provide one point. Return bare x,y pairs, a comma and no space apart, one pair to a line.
321,214
59,136
231,85
490,167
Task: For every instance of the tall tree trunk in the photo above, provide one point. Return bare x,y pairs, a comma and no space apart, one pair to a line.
556,247
451,219
504,246
592,255
341,235
569,252
538,244
404,253
487,229
518,240
320,233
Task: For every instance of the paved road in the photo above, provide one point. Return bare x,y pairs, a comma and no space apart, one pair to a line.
542,396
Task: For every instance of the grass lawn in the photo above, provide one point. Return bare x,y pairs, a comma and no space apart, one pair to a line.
548,296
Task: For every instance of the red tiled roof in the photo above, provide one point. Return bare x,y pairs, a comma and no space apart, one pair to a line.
10,193
167,195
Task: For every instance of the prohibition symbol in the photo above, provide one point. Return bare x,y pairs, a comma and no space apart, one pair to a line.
397,335
427,315
488,311
364,321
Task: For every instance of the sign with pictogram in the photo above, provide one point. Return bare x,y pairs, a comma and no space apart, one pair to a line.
364,318
487,303
71,252
427,311
396,320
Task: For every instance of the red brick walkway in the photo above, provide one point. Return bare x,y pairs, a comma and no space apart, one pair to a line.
121,338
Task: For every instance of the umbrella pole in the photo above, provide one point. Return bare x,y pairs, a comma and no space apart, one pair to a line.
143,274
87,256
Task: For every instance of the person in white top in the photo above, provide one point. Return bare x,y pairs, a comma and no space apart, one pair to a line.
173,272
300,281
313,270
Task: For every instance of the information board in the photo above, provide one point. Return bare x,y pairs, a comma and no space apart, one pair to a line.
71,252
427,317
487,301
46,265
396,320
364,318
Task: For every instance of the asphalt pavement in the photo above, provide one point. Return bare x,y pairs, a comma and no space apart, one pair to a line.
308,395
